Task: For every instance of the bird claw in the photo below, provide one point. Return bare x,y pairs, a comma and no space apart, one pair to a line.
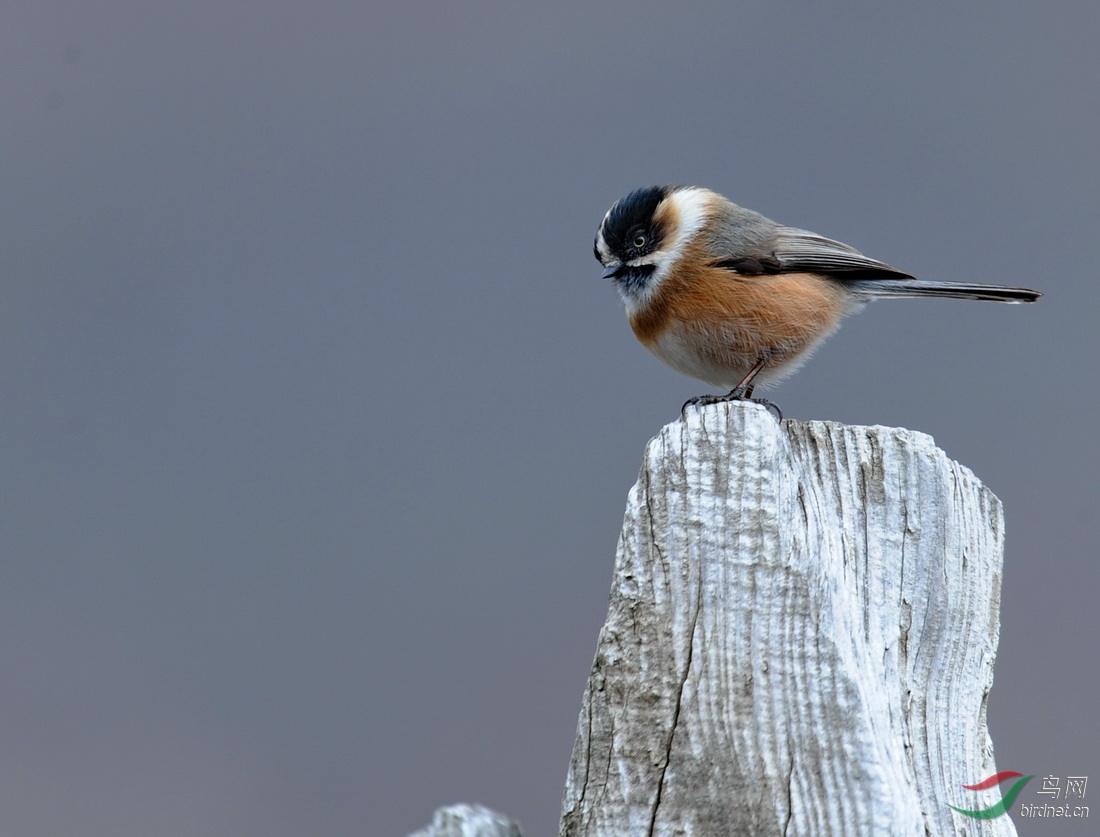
771,406
741,393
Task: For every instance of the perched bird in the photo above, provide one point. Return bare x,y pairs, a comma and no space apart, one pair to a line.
727,296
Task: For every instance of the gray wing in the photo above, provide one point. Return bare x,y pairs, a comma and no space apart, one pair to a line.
757,246
798,251
791,250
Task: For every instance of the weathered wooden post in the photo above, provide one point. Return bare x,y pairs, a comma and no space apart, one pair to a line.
800,639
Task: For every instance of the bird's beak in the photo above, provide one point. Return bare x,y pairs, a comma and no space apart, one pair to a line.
613,271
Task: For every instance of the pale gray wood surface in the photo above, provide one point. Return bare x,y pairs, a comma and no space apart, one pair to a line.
464,820
800,638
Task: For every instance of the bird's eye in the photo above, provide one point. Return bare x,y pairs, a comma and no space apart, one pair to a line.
640,240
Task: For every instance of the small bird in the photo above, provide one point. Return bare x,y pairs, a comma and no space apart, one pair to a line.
727,296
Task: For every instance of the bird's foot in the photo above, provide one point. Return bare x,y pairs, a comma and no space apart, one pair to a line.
741,393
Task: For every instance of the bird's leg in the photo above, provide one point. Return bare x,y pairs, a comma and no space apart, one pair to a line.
741,392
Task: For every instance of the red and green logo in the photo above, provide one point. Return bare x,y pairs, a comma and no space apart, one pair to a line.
1005,802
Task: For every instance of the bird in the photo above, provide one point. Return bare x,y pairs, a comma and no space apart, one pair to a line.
730,297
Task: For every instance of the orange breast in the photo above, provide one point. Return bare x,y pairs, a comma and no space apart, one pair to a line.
712,319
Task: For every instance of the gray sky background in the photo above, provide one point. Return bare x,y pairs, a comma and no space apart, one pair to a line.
317,420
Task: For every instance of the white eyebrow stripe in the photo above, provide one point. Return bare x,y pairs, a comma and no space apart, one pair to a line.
601,242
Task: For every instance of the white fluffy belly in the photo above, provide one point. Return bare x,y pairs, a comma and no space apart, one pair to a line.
717,361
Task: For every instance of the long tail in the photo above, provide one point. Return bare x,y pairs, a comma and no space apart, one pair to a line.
918,287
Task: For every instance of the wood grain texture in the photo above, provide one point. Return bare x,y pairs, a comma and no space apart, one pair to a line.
800,638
